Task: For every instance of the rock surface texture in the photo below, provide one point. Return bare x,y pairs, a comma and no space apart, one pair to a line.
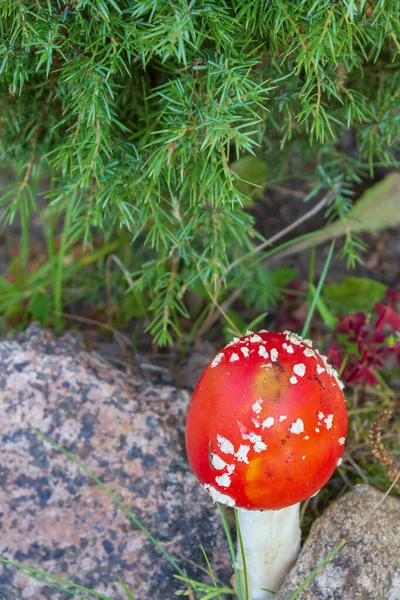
130,433
367,567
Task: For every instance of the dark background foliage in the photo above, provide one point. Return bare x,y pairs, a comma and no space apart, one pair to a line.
143,114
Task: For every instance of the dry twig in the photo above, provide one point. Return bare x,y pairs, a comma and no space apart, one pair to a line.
378,449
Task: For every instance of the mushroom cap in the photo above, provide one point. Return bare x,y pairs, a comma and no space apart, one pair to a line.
267,422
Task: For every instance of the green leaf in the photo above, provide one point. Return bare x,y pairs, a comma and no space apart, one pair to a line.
6,286
252,173
40,307
328,318
354,294
281,278
379,206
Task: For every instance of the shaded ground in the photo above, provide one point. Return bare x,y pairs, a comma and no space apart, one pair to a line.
281,207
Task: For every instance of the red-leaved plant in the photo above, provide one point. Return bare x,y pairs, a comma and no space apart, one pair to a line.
364,343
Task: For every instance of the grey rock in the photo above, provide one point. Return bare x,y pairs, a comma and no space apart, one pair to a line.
130,432
367,567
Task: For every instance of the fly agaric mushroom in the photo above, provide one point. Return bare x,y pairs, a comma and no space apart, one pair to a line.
265,430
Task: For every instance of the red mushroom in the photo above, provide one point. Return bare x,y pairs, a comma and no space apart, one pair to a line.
265,430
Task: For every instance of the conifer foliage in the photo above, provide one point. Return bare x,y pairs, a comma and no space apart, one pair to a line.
140,109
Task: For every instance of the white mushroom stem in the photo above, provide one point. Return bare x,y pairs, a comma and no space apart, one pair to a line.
271,542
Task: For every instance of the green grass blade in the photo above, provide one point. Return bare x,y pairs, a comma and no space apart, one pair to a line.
38,573
311,276
205,587
58,272
44,580
222,514
211,595
317,569
211,572
127,592
246,583
318,291
327,316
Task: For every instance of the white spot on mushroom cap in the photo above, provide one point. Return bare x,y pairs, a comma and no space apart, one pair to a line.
320,369
217,462
297,340
242,453
328,421
294,340
234,357
299,369
342,441
282,418
309,352
330,370
266,366
307,437
339,462
245,352
262,351
255,338
256,423
259,446
218,497
293,379
303,457
234,341
320,416
317,430
263,331
288,348
268,422
248,332
274,354
225,445
217,359
257,408
255,439
297,427
220,464
223,480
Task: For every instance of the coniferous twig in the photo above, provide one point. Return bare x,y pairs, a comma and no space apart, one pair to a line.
138,111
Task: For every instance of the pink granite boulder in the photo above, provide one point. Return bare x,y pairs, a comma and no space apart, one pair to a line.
130,432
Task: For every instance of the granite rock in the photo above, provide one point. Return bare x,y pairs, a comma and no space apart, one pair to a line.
127,430
367,567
